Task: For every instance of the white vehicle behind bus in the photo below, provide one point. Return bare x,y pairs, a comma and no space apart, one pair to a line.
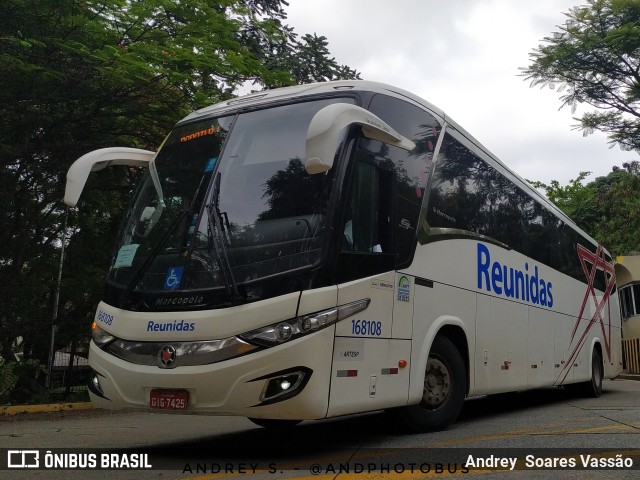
337,248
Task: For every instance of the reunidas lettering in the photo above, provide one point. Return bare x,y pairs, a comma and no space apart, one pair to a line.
175,326
511,282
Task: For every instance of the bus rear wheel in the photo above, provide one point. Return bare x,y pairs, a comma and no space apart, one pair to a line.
445,386
593,387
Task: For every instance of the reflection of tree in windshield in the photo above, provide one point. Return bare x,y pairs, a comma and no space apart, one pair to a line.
292,192
294,200
286,234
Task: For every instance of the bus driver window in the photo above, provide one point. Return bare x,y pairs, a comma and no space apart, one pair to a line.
348,239
368,215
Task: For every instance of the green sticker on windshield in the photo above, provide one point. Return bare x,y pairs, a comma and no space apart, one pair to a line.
125,255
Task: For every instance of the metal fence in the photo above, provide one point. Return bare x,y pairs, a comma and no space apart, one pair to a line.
30,381
69,371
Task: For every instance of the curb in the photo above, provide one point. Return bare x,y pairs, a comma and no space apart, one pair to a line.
52,407
628,376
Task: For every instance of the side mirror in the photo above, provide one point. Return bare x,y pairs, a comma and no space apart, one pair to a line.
97,160
326,126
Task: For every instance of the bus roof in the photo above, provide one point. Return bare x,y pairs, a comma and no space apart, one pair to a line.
298,91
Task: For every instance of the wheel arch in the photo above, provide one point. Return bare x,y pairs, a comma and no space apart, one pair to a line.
596,345
459,338
453,328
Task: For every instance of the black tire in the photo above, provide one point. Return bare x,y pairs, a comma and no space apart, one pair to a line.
593,388
274,423
445,388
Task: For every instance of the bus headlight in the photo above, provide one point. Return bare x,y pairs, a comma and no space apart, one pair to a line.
100,337
282,332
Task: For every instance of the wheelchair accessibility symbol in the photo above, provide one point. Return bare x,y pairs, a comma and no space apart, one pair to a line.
173,278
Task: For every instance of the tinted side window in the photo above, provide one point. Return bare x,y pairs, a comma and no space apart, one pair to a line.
469,196
464,191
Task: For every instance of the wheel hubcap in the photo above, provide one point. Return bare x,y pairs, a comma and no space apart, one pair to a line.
437,384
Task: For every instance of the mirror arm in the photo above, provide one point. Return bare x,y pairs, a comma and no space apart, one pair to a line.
326,127
97,160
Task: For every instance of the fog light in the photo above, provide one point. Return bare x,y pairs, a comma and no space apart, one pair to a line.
279,386
96,383
95,386
284,385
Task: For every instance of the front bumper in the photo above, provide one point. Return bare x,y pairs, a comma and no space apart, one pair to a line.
230,387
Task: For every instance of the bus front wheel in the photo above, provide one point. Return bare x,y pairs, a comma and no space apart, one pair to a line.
445,386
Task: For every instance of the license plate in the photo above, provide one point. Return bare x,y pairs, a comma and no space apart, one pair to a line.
169,399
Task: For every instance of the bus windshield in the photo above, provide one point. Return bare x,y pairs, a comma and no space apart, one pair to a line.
227,203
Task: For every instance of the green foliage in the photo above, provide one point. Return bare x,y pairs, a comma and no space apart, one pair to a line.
574,199
607,208
8,379
595,59
26,384
309,61
618,203
80,75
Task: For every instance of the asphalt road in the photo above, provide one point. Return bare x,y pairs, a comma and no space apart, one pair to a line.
534,428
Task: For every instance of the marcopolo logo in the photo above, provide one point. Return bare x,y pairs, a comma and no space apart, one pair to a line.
511,282
179,301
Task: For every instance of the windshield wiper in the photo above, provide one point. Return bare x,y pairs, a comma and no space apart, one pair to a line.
153,254
216,238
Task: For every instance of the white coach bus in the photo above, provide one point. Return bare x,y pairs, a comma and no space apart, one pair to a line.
335,248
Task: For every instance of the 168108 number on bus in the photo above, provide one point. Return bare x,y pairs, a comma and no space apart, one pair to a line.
366,327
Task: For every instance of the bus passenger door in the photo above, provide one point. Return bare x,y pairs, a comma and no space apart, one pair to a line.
365,372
